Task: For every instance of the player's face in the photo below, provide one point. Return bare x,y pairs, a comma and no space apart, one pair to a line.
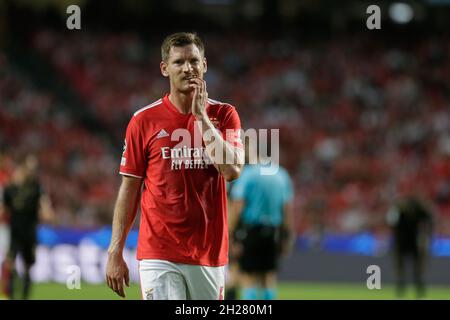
20,175
183,64
31,165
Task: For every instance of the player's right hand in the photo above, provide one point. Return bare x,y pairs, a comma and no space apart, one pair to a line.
200,97
117,274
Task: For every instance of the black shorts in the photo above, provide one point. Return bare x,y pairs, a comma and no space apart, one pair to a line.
25,248
407,246
261,249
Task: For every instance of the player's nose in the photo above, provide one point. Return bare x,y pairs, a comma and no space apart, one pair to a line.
187,67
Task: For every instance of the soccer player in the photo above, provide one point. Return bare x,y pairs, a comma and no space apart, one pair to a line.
263,205
179,150
411,221
25,204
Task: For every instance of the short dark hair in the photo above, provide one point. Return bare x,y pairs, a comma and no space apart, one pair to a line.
180,39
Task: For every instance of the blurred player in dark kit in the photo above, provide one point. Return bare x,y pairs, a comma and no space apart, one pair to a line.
411,222
24,203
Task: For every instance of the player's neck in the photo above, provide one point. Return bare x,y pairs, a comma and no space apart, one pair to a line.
181,101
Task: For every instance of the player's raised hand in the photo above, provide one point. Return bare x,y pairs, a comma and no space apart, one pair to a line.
117,274
200,97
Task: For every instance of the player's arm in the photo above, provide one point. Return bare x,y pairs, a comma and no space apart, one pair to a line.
124,214
392,216
237,198
288,223
3,213
4,206
46,211
231,160
288,228
426,227
227,159
236,207
234,215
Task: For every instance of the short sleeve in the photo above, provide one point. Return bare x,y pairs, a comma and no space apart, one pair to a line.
289,190
133,162
231,128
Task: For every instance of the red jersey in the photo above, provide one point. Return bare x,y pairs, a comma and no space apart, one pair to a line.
183,203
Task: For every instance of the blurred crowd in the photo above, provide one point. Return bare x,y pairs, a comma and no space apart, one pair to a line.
362,121
76,167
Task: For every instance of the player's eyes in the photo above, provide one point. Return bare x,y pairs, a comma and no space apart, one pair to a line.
180,62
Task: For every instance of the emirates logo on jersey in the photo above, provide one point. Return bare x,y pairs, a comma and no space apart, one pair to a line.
186,157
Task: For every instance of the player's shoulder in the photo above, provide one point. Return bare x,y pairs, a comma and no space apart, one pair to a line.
282,170
282,175
7,188
220,104
148,109
11,186
250,172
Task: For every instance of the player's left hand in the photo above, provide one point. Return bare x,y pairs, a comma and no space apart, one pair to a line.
117,274
200,97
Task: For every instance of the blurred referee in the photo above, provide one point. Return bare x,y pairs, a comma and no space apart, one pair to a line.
262,206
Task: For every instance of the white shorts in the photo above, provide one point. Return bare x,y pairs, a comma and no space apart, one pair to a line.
165,280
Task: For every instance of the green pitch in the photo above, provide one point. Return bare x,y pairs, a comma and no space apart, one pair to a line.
286,291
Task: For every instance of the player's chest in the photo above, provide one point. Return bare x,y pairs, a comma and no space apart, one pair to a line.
179,133
173,133
24,196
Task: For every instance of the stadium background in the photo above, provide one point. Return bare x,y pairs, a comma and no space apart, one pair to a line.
363,118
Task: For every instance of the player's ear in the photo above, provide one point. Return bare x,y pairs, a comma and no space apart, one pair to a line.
205,65
163,67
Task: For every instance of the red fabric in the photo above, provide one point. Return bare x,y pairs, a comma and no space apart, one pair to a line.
184,212
6,273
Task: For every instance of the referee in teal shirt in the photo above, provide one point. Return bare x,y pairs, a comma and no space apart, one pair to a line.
263,206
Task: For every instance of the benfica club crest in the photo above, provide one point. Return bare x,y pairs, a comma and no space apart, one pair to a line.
149,294
124,146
